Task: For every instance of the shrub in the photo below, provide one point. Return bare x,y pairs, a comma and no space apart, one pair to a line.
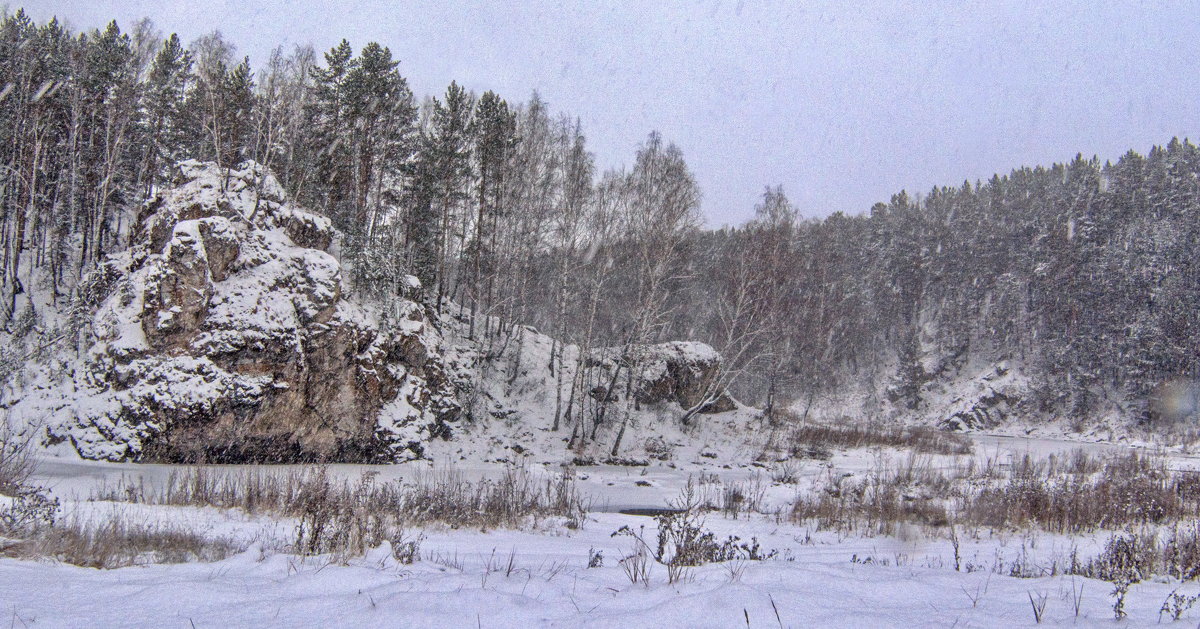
407,550
1125,560
1176,604
1181,553
345,523
683,543
31,509
16,459
785,474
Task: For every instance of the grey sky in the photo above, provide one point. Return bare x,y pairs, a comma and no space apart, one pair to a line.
843,105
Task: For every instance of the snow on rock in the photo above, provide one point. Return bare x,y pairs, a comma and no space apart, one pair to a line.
684,372
226,337
986,400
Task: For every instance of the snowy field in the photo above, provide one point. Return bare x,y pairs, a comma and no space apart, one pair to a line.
541,576
463,581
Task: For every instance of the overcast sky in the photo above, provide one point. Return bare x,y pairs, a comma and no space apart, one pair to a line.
841,105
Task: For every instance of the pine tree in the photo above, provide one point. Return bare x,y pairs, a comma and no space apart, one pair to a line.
109,93
222,102
164,118
451,147
494,133
380,112
237,111
328,148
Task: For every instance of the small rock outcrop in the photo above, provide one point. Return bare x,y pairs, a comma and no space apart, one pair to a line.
225,336
683,372
985,401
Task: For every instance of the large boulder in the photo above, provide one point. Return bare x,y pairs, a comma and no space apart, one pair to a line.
686,373
227,337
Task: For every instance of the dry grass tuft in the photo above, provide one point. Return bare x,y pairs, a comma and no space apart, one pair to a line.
891,495
808,440
444,497
346,518
115,543
1128,490
30,526
1073,495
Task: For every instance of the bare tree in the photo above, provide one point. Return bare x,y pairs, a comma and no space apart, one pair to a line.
284,87
771,249
578,169
663,210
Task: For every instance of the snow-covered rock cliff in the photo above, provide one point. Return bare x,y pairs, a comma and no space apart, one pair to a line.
225,335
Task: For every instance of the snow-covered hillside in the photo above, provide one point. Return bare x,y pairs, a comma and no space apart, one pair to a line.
226,333
514,396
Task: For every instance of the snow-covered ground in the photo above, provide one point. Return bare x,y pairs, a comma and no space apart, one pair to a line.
500,578
463,581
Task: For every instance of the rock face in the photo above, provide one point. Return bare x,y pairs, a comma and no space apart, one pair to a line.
986,400
682,372
227,337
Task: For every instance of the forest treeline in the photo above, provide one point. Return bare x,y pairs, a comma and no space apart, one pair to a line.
1081,274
